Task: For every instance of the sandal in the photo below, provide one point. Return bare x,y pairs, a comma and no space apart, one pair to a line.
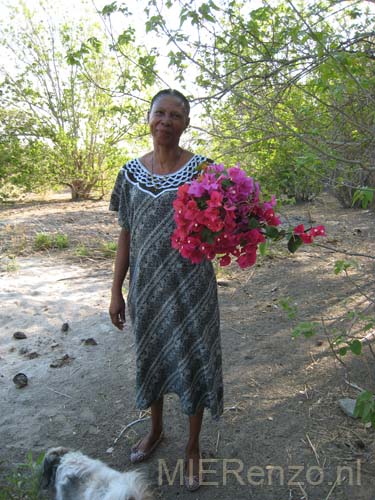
192,483
137,456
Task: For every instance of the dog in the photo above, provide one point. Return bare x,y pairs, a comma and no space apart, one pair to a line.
76,476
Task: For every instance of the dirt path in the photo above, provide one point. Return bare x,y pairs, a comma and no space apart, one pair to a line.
282,430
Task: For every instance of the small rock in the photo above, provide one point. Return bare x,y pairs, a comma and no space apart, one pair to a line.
360,444
223,283
347,405
20,380
32,355
89,341
55,344
65,327
58,363
19,335
92,429
109,450
23,350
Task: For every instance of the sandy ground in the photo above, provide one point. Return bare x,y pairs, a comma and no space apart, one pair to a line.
282,430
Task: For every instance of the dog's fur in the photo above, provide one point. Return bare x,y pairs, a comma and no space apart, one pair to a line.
78,477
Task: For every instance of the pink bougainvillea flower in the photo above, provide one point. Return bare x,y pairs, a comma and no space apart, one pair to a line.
204,184
247,259
216,199
221,213
225,260
191,210
196,188
306,238
271,218
318,231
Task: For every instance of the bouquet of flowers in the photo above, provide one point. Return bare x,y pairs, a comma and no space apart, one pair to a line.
222,213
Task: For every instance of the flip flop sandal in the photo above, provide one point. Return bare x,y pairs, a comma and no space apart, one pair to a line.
192,483
137,456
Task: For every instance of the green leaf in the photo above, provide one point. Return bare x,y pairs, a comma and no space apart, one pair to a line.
126,37
294,243
153,23
338,340
95,43
272,232
290,309
226,183
207,235
109,9
263,247
305,328
343,351
368,326
72,59
355,346
40,458
364,396
341,265
253,223
367,411
365,195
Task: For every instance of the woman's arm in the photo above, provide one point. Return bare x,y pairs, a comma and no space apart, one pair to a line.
117,305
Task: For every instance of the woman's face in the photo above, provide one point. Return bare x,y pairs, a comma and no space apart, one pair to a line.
167,120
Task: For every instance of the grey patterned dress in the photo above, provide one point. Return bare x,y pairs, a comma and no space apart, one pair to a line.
172,303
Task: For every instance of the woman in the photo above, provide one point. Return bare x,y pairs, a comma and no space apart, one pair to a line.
172,302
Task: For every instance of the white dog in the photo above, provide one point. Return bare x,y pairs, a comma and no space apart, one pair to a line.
78,477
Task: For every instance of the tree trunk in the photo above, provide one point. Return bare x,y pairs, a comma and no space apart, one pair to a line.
80,189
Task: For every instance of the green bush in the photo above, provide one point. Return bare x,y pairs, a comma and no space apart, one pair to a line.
61,241
81,250
109,248
44,241
24,481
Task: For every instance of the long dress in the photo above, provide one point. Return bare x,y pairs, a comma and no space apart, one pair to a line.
172,303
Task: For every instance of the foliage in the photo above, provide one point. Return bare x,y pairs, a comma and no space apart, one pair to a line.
283,87
346,334
365,408
363,195
109,248
81,250
24,481
44,241
61,241
66,107
11,264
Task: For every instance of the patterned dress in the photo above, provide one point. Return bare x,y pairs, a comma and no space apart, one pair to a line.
172,303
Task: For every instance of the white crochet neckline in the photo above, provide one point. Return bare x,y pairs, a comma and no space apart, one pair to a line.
154,184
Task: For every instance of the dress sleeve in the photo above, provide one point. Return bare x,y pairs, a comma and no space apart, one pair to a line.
118,202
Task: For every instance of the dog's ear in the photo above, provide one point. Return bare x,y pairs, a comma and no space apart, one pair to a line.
50,463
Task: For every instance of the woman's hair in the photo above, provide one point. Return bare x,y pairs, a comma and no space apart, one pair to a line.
173,93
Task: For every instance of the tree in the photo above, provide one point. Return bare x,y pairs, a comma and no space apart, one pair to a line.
64,93
283,85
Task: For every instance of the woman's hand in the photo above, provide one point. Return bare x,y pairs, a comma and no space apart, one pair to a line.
117,310
117,305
